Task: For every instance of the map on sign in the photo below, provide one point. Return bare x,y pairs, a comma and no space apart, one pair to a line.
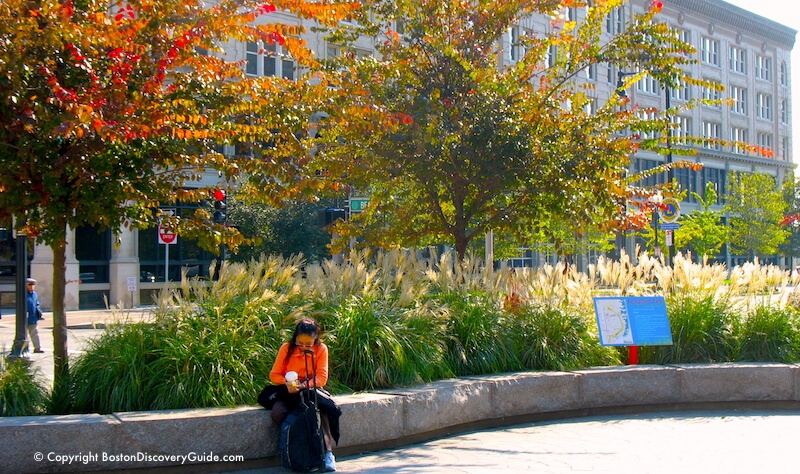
632,320
613,321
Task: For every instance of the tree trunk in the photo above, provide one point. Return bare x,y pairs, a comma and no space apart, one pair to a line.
461,244
61,362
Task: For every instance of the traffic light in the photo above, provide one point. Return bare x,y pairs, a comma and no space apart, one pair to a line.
331,215
220,207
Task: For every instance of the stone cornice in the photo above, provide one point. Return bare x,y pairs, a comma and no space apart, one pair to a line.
745,159
739,19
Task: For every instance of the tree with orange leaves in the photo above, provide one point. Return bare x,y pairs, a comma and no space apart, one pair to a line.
461,141
110,110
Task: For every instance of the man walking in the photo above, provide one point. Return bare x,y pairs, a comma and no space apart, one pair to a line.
34,314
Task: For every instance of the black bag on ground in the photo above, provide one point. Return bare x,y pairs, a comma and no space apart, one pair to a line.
301,442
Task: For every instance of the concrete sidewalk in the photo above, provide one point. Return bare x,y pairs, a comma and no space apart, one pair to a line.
708,442
82,325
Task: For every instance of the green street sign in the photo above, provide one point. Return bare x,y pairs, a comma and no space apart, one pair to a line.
358,204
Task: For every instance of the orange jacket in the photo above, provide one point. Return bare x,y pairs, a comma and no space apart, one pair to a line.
297,363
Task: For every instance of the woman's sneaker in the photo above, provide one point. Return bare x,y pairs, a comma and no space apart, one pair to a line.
330,462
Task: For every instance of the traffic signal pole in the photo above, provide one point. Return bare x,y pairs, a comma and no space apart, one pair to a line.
221,217
21,306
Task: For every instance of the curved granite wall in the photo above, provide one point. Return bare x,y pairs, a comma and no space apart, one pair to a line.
382,419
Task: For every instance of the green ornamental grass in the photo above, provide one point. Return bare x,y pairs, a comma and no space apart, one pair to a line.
376,345
702,332
393,319
478,335
22,390
769,334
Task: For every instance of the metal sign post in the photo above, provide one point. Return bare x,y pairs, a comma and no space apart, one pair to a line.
132,287
166,238
670,216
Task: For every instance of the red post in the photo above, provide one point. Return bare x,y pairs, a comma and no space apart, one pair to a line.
633,355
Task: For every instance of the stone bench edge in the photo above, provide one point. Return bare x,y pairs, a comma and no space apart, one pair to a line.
384,418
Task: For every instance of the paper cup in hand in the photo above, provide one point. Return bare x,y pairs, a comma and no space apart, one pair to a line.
291,377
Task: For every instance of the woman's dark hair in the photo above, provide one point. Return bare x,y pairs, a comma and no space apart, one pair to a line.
305,326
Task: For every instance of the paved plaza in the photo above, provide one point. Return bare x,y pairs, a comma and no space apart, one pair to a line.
710,442
81,326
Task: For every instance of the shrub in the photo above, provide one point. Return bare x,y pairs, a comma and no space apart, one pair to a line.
115,371
769,334
477,335
558,339
395,319
199,360
377,345
702,331
22,391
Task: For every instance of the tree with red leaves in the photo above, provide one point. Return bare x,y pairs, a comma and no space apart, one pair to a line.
110,110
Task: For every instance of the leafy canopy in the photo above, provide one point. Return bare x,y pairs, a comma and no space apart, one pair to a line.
450,144
109,111
757,208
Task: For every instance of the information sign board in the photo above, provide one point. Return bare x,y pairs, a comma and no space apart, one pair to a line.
632,321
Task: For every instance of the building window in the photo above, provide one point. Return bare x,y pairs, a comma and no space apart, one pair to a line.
615,21
611,72
184,255
737,60
513,44
719,178
648,85
647,115
784,74
93,251
8,256
686,180
682,127
334,51
592,106
764,106
764,140
552,56
516,44
738,139
643,165
713,96
784,111
681,92
709,51
763,68
684,36
712,133
739,97
269,60
591,72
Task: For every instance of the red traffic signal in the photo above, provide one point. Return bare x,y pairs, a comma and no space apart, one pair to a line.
220,207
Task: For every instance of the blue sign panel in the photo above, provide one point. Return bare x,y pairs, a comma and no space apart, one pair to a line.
632,321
